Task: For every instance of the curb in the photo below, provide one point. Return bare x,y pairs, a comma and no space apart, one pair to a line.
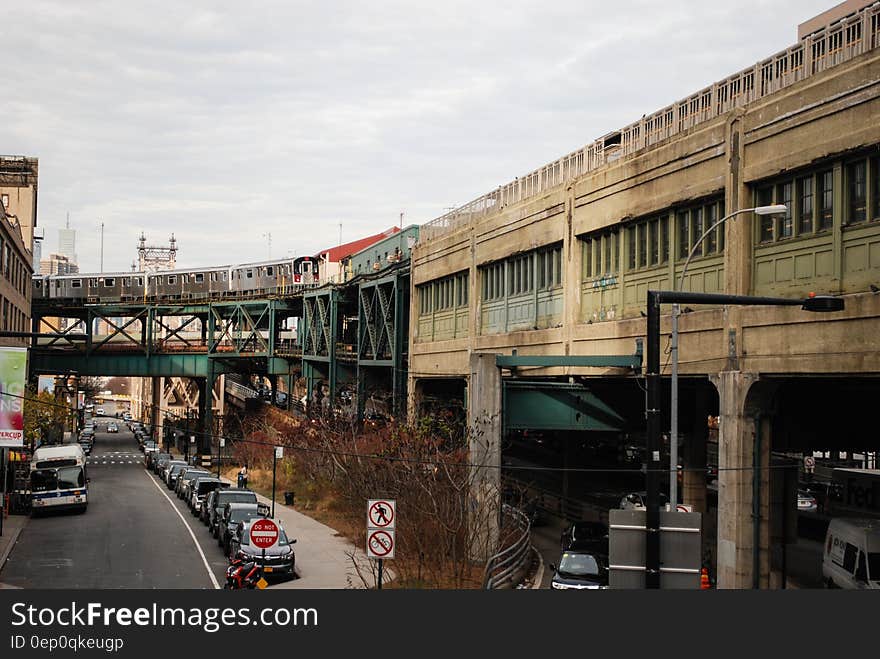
539,573
8,550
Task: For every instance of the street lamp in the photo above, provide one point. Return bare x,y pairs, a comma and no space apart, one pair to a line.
776,209
824,303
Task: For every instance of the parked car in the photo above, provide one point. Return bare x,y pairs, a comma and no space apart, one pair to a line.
186,479
806,502
199,490
231,495
100,411
638,500
233,515
153,460
590,536
174,469
580,570
279,560
112,427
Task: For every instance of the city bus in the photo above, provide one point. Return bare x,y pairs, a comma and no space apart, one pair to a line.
58,478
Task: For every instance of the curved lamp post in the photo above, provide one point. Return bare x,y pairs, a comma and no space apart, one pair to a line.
776,209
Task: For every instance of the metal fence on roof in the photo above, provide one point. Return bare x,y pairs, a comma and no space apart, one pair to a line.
820,51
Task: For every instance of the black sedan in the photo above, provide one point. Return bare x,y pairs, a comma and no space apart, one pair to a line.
580,570
279,559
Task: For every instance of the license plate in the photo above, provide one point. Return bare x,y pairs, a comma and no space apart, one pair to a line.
267,569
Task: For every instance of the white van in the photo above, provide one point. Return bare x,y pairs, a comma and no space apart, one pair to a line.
851,558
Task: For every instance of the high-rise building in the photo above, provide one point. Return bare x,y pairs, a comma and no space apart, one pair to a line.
67,242
58,264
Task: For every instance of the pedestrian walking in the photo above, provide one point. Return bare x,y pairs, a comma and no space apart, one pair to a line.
243,476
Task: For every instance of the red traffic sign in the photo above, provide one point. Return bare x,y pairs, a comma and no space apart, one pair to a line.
264,533
381,513
380,544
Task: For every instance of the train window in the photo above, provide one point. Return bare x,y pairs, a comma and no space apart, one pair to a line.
93,283
109,282
126,282
223,275
270,271
172,279
139,281
184,278
213,276
200,278
249,274
306,266
76,283
38,283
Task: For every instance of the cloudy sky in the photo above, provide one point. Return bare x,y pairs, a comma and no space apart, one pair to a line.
224,122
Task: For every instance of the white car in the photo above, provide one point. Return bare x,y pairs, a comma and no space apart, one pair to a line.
112,427
100,411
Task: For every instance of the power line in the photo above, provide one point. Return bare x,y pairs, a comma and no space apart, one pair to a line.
428,462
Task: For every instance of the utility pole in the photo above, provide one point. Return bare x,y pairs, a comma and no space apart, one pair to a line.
102,247
340,233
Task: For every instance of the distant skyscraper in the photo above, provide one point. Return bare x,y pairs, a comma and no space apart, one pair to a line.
38,247
67,242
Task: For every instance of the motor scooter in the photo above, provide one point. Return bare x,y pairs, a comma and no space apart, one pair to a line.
241,575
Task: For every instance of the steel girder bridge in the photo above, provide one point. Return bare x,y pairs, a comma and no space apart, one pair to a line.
189,340
355,337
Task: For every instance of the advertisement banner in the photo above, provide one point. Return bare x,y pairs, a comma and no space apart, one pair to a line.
13,375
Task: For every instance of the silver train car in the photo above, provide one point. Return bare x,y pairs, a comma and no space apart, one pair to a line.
265,278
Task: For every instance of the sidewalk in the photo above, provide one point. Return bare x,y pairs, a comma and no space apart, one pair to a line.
322,556
12,526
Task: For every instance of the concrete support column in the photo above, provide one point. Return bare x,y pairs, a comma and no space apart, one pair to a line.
156,400
736,441
693,490
484,430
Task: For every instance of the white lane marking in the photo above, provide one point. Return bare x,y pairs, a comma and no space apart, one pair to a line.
188,528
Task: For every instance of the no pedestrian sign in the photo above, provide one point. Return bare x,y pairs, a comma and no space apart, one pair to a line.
380,544
381,514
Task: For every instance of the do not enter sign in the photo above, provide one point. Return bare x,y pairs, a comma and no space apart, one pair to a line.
264,533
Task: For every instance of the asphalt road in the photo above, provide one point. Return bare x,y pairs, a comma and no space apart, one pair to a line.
131,536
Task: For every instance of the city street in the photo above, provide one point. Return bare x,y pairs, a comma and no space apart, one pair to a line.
135,533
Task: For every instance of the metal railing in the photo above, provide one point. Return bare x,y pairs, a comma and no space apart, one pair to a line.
820,51
506,568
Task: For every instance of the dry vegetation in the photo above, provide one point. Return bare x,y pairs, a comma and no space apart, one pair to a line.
333,470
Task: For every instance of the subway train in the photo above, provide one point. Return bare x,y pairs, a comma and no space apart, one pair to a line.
245,280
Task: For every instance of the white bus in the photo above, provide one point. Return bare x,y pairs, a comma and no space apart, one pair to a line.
58,478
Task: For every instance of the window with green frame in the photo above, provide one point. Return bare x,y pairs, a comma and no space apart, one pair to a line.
862,188
493,281
691,223
809,198
549,267
443,294
600,255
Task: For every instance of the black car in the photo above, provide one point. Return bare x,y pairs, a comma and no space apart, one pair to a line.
586,535
279,560
199,490
233,515
580,570
184,483
156,460
174,469
221,498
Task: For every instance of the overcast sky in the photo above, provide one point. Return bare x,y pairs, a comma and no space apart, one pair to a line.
223,122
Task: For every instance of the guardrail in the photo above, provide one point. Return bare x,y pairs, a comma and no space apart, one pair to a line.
508,567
